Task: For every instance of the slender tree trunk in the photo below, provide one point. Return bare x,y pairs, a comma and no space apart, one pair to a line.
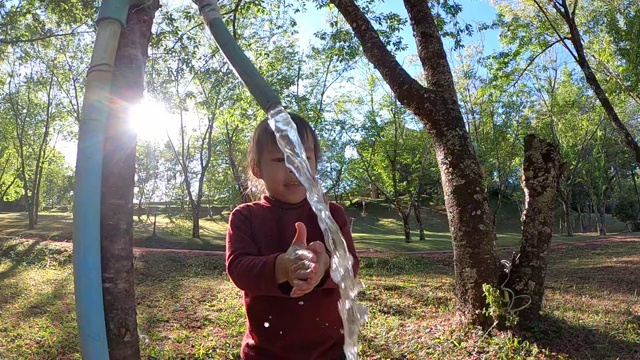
36,207
566,207
559,225
562,8
241,185
30,213
19,117
195,216
436,105
375,194
118,184
42,153
4,191
405,224
416,213
541,172
602,223
140,207
635,186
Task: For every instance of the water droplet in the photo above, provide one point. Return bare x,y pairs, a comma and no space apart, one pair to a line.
269,316
341,331
280,332
300,302
266,324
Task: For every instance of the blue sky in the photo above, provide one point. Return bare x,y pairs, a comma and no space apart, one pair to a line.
312,20
473,11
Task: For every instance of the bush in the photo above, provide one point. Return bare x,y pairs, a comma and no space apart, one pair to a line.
626,209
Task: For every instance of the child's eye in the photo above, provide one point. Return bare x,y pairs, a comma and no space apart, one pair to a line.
279,160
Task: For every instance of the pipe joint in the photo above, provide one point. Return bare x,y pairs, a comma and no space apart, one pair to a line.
209,9
114,9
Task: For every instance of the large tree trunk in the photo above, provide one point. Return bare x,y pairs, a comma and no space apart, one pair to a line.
118,184
470,219
541,173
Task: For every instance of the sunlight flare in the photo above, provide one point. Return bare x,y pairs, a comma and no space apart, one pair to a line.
150,120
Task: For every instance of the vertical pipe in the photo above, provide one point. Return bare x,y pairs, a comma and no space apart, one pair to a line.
87,272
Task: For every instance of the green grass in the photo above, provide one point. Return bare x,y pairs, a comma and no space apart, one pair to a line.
187,307
380,229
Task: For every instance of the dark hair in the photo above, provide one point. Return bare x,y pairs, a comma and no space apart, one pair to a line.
263,137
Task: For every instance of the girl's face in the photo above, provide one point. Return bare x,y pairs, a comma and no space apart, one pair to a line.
279,181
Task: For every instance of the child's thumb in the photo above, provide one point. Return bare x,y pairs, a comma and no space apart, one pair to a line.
300,239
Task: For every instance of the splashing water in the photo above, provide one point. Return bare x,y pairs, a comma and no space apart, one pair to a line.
353,314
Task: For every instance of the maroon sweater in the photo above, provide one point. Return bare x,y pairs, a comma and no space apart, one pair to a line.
279,326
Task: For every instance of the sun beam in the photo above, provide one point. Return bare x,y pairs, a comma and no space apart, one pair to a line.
150,120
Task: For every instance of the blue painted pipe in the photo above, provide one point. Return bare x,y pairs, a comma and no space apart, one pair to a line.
87,270
244,68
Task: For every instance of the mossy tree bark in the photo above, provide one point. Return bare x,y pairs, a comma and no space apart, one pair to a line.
542,170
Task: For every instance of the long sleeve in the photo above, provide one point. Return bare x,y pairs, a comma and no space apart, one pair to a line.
249,271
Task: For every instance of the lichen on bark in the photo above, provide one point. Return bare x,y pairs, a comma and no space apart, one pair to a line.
542,170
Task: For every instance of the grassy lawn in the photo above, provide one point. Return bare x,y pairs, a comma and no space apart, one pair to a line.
188,309
380,229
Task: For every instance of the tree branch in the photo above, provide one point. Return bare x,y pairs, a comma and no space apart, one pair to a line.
235,17
383,60
555,30
611,73
43,37
429,44
575,7
533,60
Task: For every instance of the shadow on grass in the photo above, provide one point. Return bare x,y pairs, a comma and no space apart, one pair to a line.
391,266
49,304
17,257
161,242
151,268
395,242
602,266
49,227
38,310
580,342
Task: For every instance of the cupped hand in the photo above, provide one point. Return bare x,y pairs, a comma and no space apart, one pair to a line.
303,286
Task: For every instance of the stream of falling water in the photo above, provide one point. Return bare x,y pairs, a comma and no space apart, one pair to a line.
353,314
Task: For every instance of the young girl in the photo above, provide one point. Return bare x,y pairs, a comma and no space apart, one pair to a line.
276,255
